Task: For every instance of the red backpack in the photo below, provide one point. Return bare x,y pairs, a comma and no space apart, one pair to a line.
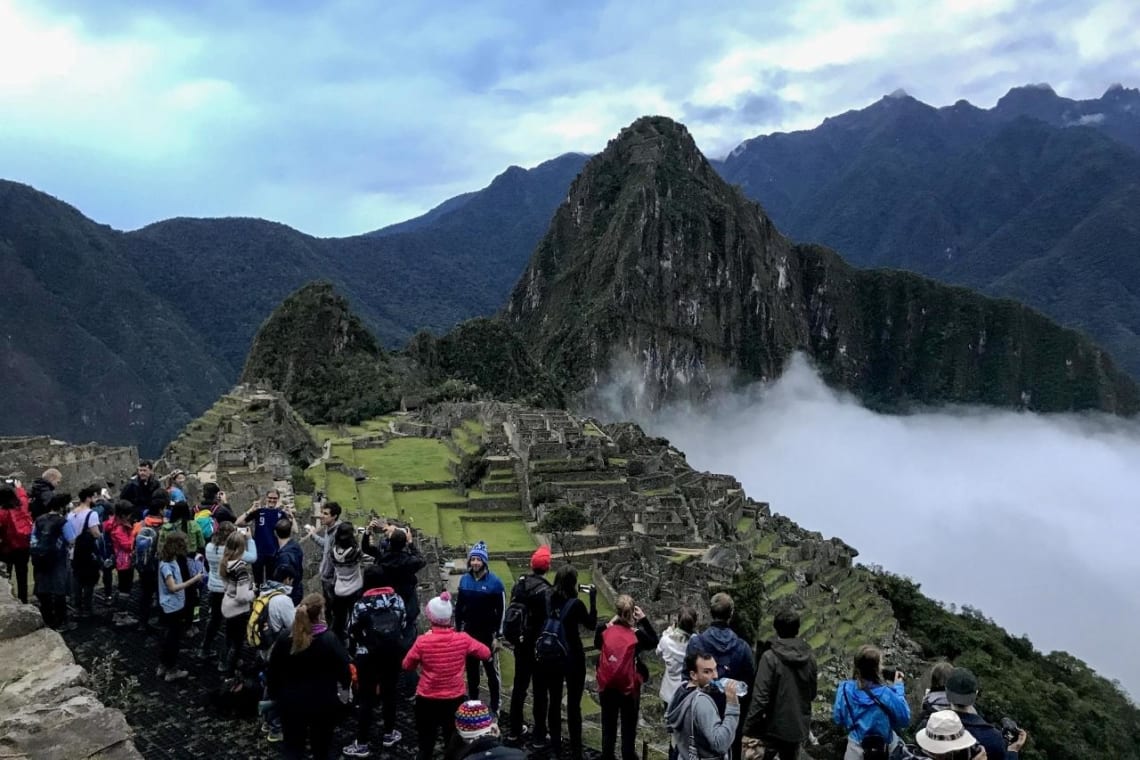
617,663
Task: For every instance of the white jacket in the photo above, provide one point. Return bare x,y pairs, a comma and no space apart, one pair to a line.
671,649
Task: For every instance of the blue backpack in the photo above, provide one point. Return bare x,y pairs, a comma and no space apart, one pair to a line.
552,648
146,549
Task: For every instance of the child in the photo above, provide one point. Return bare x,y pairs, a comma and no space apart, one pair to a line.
117,529
171,601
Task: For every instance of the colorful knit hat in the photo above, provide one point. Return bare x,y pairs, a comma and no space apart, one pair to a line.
540,560
438,610
479,550
473,719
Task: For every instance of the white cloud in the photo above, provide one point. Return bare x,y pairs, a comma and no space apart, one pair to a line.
1030,518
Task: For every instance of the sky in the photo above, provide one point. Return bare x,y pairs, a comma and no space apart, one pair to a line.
1030,518
344,116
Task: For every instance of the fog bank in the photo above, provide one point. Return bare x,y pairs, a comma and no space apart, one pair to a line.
1031,519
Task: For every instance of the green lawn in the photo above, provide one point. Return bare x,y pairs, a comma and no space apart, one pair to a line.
500,536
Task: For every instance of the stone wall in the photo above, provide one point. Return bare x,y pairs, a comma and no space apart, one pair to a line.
80,464
47,710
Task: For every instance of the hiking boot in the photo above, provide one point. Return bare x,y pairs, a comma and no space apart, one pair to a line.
520,737
175,675
540,743
391,738
356,749
276,735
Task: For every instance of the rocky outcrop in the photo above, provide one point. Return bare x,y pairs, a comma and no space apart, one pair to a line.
47,710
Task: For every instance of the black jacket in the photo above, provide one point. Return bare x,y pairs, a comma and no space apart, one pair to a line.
38,497
489,748
400,568
308,679
785,687
291,554
140,494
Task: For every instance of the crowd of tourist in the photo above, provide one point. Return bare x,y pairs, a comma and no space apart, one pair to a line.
234,582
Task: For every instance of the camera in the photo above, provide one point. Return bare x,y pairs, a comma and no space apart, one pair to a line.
889,675
1010,731
587,588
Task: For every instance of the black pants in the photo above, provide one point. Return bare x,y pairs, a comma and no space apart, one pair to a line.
193,594
525,674
301,724
342,605
374,671
573,676
434,716
83,587
777,749
491,666
624,708
235,639
214,624
17,562
53,607
738,742
174,623
148,590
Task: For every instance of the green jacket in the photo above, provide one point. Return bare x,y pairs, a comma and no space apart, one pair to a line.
196,540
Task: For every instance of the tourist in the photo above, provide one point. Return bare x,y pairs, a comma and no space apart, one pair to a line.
376,639
264,515
190,562
274,622
441,657
785,687
52,534
533,593
696,727
42,490
401,561
174,483
734,658
146,533
346,557
962,693
620,674
215,586
479,612
322,535
237,595
86,557
171,601
671,650
289,554
945,738
117,528
478,735
215,502
869,710
570,673
15,536
935,698
140,490
307,669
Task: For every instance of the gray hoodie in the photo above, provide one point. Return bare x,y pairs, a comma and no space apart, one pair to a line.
693,717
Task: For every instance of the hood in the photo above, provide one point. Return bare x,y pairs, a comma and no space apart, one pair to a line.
275,586
346,554
859,696
720,639
39,485
679,707
795,653
936,700
234,565
154,521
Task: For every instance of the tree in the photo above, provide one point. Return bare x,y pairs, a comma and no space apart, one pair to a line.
561,523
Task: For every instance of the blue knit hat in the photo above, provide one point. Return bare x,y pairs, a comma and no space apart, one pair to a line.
479,550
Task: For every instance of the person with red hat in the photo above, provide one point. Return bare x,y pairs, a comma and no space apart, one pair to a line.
529,597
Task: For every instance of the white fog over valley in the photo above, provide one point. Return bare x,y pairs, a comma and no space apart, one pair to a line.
1030,518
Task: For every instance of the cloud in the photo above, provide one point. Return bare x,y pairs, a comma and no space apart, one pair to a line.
342,116
1029,518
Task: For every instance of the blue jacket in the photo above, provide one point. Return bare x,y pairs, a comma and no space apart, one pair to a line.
734,658
480,606
291,554
856,712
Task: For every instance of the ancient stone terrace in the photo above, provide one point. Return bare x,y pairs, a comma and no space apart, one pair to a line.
80,464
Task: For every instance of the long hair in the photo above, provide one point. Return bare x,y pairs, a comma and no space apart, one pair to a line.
623,606
566,583
8,498
345,536
224,530
180,514
868,663
308,614
235,547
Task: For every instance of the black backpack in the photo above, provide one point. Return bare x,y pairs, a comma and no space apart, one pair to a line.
527,595
552,647
88,555
48,547
377,623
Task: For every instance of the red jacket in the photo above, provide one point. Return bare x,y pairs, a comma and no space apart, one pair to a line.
441,655
16,525
122,542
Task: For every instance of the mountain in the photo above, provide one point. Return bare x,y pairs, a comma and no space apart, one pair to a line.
128,336
321,357
655,265
1034,199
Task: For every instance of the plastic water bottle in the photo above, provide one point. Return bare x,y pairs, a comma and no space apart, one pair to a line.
741,687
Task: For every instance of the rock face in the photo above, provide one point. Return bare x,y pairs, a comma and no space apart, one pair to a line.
656,270
46,710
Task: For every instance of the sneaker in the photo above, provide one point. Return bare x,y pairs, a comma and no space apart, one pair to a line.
175,675
275,735
540,743
520,737
391,738
160,671
356,749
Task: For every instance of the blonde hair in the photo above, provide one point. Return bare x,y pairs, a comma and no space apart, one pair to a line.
308,614
53,476
623,605
222,533
235,548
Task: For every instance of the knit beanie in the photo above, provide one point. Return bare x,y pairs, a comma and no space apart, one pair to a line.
479,550
540,560
438,610
473,719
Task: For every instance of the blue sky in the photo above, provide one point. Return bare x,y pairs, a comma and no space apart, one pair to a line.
341,117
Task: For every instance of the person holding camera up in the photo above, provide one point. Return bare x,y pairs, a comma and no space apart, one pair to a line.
871,707
621,673
264,514
400,560
1001,744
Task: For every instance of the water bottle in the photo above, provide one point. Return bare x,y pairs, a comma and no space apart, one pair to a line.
741,687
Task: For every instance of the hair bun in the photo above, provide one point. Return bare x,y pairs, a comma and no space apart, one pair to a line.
445,596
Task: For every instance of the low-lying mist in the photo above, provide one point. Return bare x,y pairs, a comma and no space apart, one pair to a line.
1030,518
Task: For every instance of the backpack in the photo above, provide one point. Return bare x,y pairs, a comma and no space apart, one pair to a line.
88,554
517,627
257,629
552,648
206,522
377,622
47,547
146,549
617,662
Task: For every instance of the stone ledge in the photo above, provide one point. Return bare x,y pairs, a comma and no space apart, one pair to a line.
47,711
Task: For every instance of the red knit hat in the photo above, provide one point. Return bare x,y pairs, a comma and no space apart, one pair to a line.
540,560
